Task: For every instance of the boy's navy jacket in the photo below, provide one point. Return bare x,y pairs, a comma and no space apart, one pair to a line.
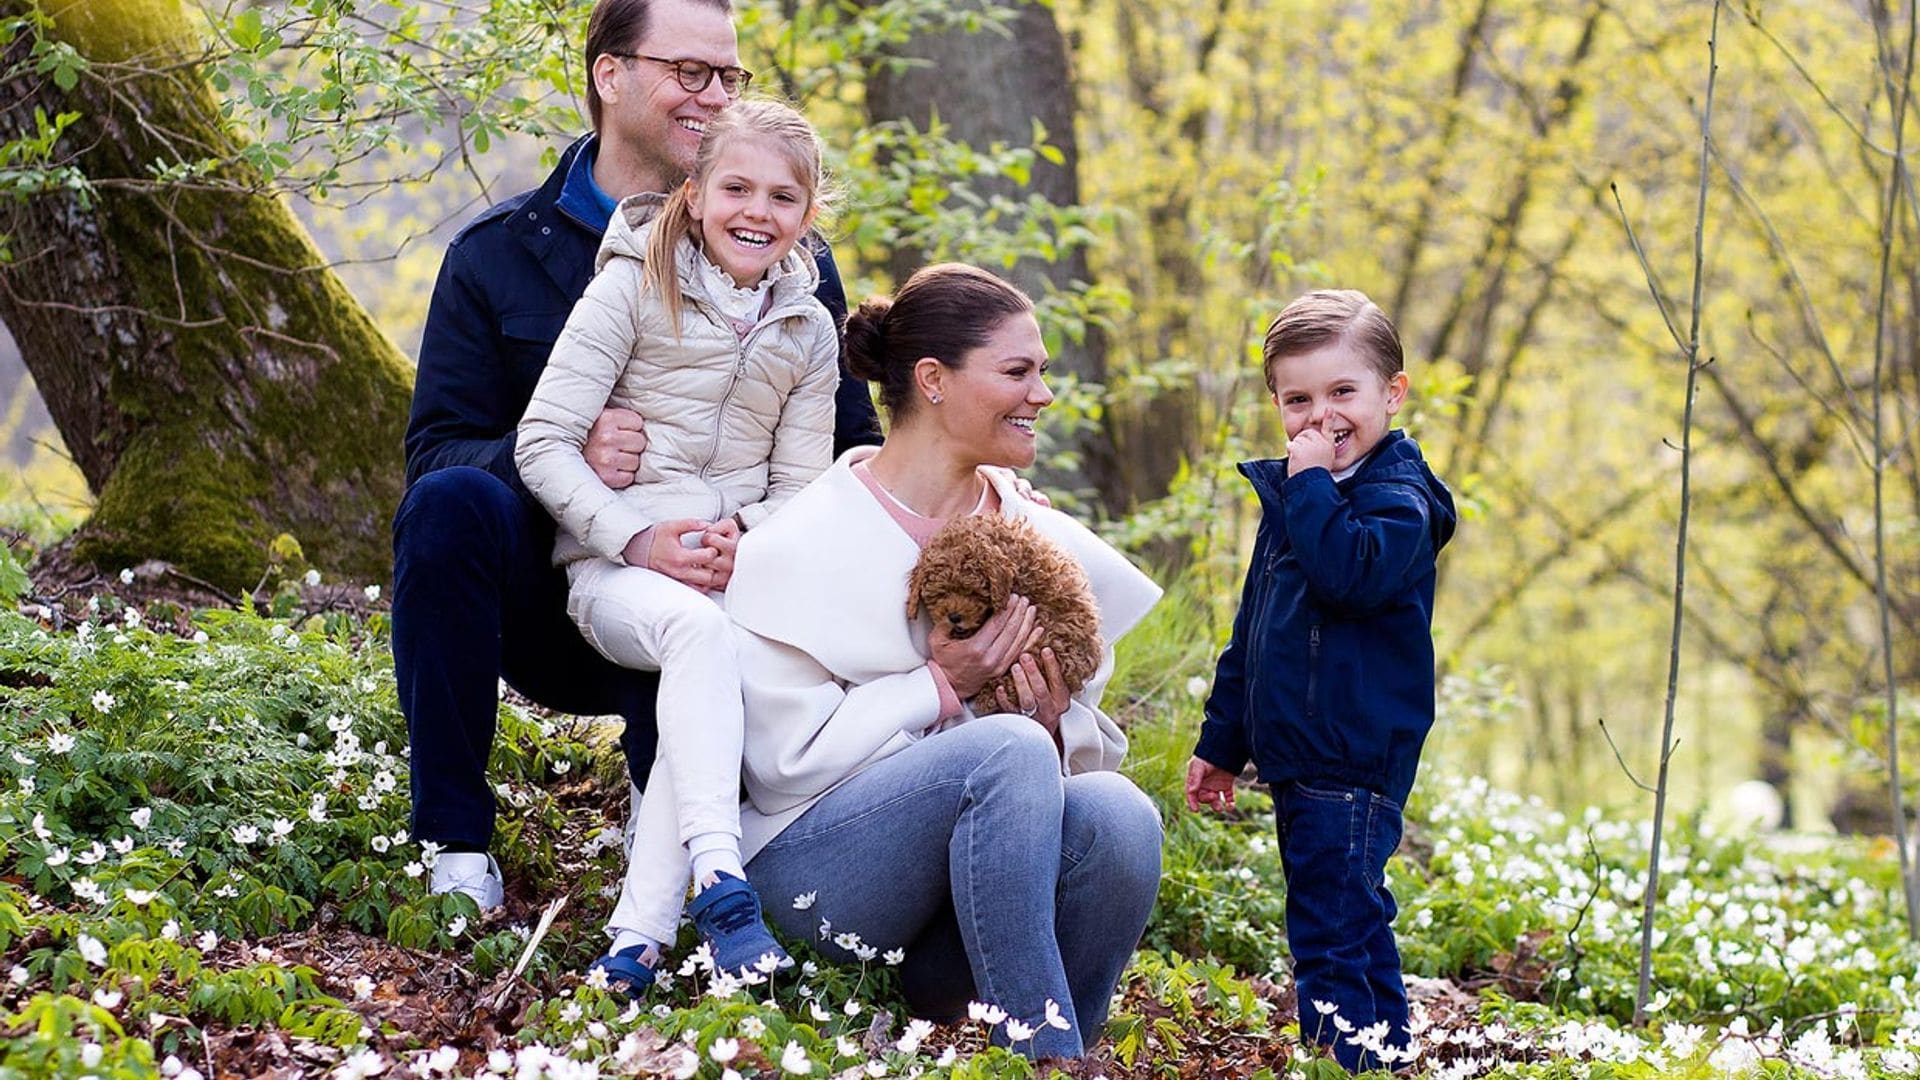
1329,674
509,282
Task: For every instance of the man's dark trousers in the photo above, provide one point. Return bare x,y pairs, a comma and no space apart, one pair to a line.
477,598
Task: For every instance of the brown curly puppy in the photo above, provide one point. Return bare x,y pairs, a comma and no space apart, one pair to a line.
970,567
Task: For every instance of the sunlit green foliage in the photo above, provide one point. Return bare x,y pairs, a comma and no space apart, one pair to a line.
1454,159
170,806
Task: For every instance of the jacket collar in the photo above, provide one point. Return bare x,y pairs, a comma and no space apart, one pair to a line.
632,228
580,197
550,232
799,277
839,551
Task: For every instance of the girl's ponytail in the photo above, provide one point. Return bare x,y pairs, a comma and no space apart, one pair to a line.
662,272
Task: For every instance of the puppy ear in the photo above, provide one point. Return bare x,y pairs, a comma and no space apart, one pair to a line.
1001,566
1000,572
913,592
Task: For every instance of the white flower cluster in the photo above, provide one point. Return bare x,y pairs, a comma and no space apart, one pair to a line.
1827,1048
1750,925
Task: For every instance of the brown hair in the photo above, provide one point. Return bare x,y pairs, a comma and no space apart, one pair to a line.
780,125
1327,315
943,311
618,25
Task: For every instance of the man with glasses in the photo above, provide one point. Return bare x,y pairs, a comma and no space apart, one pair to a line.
476,599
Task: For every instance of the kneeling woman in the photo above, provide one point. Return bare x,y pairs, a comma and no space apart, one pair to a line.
1001,852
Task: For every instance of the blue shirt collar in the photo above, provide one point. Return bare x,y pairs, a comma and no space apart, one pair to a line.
580,196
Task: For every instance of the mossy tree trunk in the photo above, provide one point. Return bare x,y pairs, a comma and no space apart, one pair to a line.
215,383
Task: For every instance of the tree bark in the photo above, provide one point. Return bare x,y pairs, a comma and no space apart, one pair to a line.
215,383
989,87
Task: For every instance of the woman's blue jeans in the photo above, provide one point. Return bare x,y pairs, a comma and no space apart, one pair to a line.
1334,844
1005,882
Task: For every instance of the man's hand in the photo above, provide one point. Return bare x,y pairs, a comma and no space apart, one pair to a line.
721,537
1311,449
614,445
1209,785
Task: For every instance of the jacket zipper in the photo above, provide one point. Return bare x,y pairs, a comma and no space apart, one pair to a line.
720,415
1257,633
1313,669
777,315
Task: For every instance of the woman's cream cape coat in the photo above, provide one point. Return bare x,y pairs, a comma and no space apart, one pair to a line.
834,674
732,424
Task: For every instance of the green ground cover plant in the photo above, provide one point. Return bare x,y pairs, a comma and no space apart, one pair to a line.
205,870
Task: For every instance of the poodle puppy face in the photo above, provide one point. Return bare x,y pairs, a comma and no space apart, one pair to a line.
962,614
964,590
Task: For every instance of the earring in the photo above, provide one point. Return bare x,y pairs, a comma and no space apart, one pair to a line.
935,398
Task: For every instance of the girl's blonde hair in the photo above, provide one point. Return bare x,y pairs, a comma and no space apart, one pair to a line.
777,122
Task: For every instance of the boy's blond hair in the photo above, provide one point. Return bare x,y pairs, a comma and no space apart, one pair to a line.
1328,315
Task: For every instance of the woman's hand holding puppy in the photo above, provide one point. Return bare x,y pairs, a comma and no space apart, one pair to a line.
1041,690
970,663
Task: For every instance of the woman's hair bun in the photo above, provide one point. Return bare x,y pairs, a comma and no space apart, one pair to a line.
866,341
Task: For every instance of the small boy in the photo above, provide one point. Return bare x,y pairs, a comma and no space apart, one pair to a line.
1327,683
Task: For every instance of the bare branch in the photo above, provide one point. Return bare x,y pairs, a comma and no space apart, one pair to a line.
1691,350
1646,268
1832,412
1903,81
112,309
1624,767
1753,20
1809,315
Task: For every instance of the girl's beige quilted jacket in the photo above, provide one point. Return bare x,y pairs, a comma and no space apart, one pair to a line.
733,424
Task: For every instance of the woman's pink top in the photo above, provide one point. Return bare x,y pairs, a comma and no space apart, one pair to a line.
920,528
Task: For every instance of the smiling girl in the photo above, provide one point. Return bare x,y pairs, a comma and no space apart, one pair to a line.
702,319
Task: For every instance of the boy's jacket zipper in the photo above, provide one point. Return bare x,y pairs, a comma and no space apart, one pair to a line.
1313,669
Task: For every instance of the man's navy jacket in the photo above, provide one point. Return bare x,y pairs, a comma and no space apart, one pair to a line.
508,283
1329,674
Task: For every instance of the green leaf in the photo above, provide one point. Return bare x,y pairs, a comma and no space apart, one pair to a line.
246,30
14,582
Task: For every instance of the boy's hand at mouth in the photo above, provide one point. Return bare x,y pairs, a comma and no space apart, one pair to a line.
1311,449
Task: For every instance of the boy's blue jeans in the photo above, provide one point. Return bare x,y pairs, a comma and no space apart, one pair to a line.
1334,844
1003,881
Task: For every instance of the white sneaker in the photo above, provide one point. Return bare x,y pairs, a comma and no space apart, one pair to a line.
471,872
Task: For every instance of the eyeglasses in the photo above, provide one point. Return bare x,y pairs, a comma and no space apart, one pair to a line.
697,75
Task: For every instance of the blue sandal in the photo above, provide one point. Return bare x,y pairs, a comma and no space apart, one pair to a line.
727,914
625,972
